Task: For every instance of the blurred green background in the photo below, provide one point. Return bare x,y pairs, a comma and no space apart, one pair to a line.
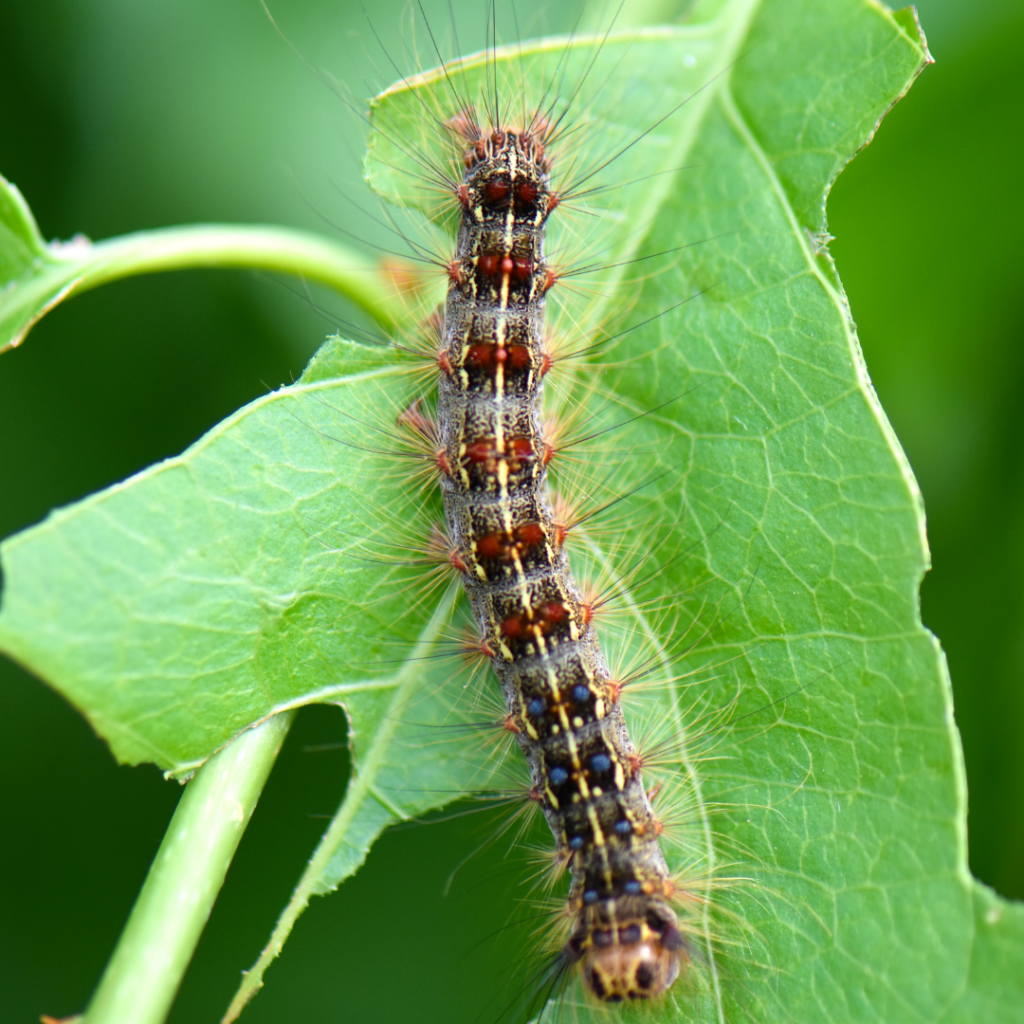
117,115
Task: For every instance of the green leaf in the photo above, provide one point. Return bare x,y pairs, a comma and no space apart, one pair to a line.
252,574
215,589
36,276
20,242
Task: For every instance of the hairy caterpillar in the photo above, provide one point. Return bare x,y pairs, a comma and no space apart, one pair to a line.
563,702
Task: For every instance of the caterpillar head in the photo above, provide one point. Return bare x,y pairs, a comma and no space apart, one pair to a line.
630,959
633,970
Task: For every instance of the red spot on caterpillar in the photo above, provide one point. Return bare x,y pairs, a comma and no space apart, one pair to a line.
480,451
526,192
490,546
522,268
520,447
518,357
500,545
486,356
488,264
517,449
530,534
512,627
507,266
554,612
497,189
479,355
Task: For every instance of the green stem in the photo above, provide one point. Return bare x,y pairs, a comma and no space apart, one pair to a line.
259,246
171,911
360,793
68,268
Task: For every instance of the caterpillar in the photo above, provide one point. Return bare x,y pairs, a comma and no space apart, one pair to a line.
506,541
563,703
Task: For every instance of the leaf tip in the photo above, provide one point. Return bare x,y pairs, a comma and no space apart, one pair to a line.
16,215
909,22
